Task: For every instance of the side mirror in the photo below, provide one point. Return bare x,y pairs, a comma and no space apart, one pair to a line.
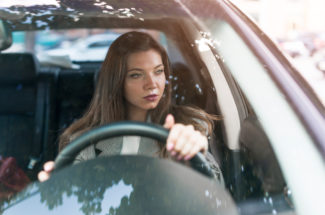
5,36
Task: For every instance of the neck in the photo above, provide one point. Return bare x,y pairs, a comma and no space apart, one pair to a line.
140,116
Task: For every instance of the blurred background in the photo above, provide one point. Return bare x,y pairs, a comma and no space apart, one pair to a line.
298,27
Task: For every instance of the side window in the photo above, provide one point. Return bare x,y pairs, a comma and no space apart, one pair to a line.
253,171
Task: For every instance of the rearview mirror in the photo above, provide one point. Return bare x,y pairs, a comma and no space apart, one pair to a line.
5,36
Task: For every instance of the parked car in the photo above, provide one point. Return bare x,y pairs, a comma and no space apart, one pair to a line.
295,48
270,143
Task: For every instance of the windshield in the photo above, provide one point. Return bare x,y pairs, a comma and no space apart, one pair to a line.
211,68
97,188
63,47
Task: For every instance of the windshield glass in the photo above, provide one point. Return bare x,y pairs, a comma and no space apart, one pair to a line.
78,65
97,188
77,45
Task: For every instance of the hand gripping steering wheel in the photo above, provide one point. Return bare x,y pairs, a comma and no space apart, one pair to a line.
157,132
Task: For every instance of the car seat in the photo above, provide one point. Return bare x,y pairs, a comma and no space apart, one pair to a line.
26,111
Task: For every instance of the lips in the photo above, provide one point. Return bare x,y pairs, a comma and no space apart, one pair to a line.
151,97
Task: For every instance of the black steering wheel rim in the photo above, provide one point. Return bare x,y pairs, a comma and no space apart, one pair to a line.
157,132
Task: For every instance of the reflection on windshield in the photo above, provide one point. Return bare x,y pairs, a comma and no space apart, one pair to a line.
44,14
121,12
28,3
125,185
119,191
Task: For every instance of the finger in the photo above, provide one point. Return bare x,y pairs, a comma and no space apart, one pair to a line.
186,149
49,166
43,176
180,145
169,121
184,137
173,136
194,139
200,146
194,150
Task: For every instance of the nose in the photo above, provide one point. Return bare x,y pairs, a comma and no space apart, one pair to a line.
150,82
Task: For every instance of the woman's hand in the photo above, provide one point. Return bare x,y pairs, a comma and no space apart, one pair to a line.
184,141
47,169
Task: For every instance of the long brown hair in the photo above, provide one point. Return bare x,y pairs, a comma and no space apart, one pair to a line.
108,103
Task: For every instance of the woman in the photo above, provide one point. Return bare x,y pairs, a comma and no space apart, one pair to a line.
133,85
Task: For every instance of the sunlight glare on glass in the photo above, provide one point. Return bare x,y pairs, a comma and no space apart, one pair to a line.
202,45
10,3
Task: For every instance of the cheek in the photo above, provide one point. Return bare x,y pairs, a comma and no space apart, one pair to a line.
130,89
127,89
162,82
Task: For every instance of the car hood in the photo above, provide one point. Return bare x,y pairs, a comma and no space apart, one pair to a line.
124,185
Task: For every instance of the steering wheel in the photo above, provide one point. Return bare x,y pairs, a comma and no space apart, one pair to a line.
68,154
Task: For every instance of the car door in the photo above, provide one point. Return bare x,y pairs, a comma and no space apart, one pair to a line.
271,110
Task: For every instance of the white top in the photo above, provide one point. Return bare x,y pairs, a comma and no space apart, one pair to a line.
130,145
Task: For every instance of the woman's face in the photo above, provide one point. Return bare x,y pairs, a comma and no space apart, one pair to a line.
145,81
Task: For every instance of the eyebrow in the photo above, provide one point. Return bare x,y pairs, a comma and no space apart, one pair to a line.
138,69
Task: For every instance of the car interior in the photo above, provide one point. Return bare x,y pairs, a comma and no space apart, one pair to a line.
39,101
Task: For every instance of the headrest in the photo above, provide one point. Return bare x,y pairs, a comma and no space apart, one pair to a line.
18,68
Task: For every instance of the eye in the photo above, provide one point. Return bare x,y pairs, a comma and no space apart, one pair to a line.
134,75
159,71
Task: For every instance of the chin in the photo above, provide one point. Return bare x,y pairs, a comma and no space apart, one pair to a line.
151,106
